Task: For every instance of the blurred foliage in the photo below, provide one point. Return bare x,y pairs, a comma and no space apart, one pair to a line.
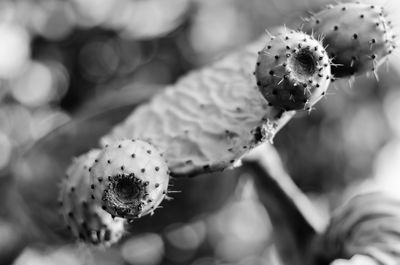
64,60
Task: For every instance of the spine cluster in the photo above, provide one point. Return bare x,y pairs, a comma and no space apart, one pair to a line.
105,188
293,70
358,36
130,179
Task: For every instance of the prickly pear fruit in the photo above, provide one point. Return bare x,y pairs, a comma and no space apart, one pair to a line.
293,70
83,216
358,36
130,178
367,224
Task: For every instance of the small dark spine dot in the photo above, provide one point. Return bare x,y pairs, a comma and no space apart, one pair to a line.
157,168
142,170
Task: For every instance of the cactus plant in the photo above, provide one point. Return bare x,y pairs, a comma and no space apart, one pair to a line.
129,178
83,216
210,118
357,36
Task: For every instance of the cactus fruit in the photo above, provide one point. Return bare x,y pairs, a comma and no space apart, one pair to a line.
368,224
213,116
293,70
130,178
358,36
83,216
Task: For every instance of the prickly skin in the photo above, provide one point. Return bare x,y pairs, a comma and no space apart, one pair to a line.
209,119
84,216
130,178
358,36
293,70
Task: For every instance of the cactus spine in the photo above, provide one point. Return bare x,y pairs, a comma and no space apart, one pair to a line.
358,36
293,70
130,178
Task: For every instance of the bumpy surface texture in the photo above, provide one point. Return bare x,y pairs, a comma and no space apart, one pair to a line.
358,36
209,118
293,70
84,216
130,178
368,224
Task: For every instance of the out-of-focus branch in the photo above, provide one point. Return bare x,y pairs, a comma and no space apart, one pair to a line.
294,218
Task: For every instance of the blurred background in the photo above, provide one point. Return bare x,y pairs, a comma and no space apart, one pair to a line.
63,60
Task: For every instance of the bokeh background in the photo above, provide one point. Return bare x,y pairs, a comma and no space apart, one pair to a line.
61,60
